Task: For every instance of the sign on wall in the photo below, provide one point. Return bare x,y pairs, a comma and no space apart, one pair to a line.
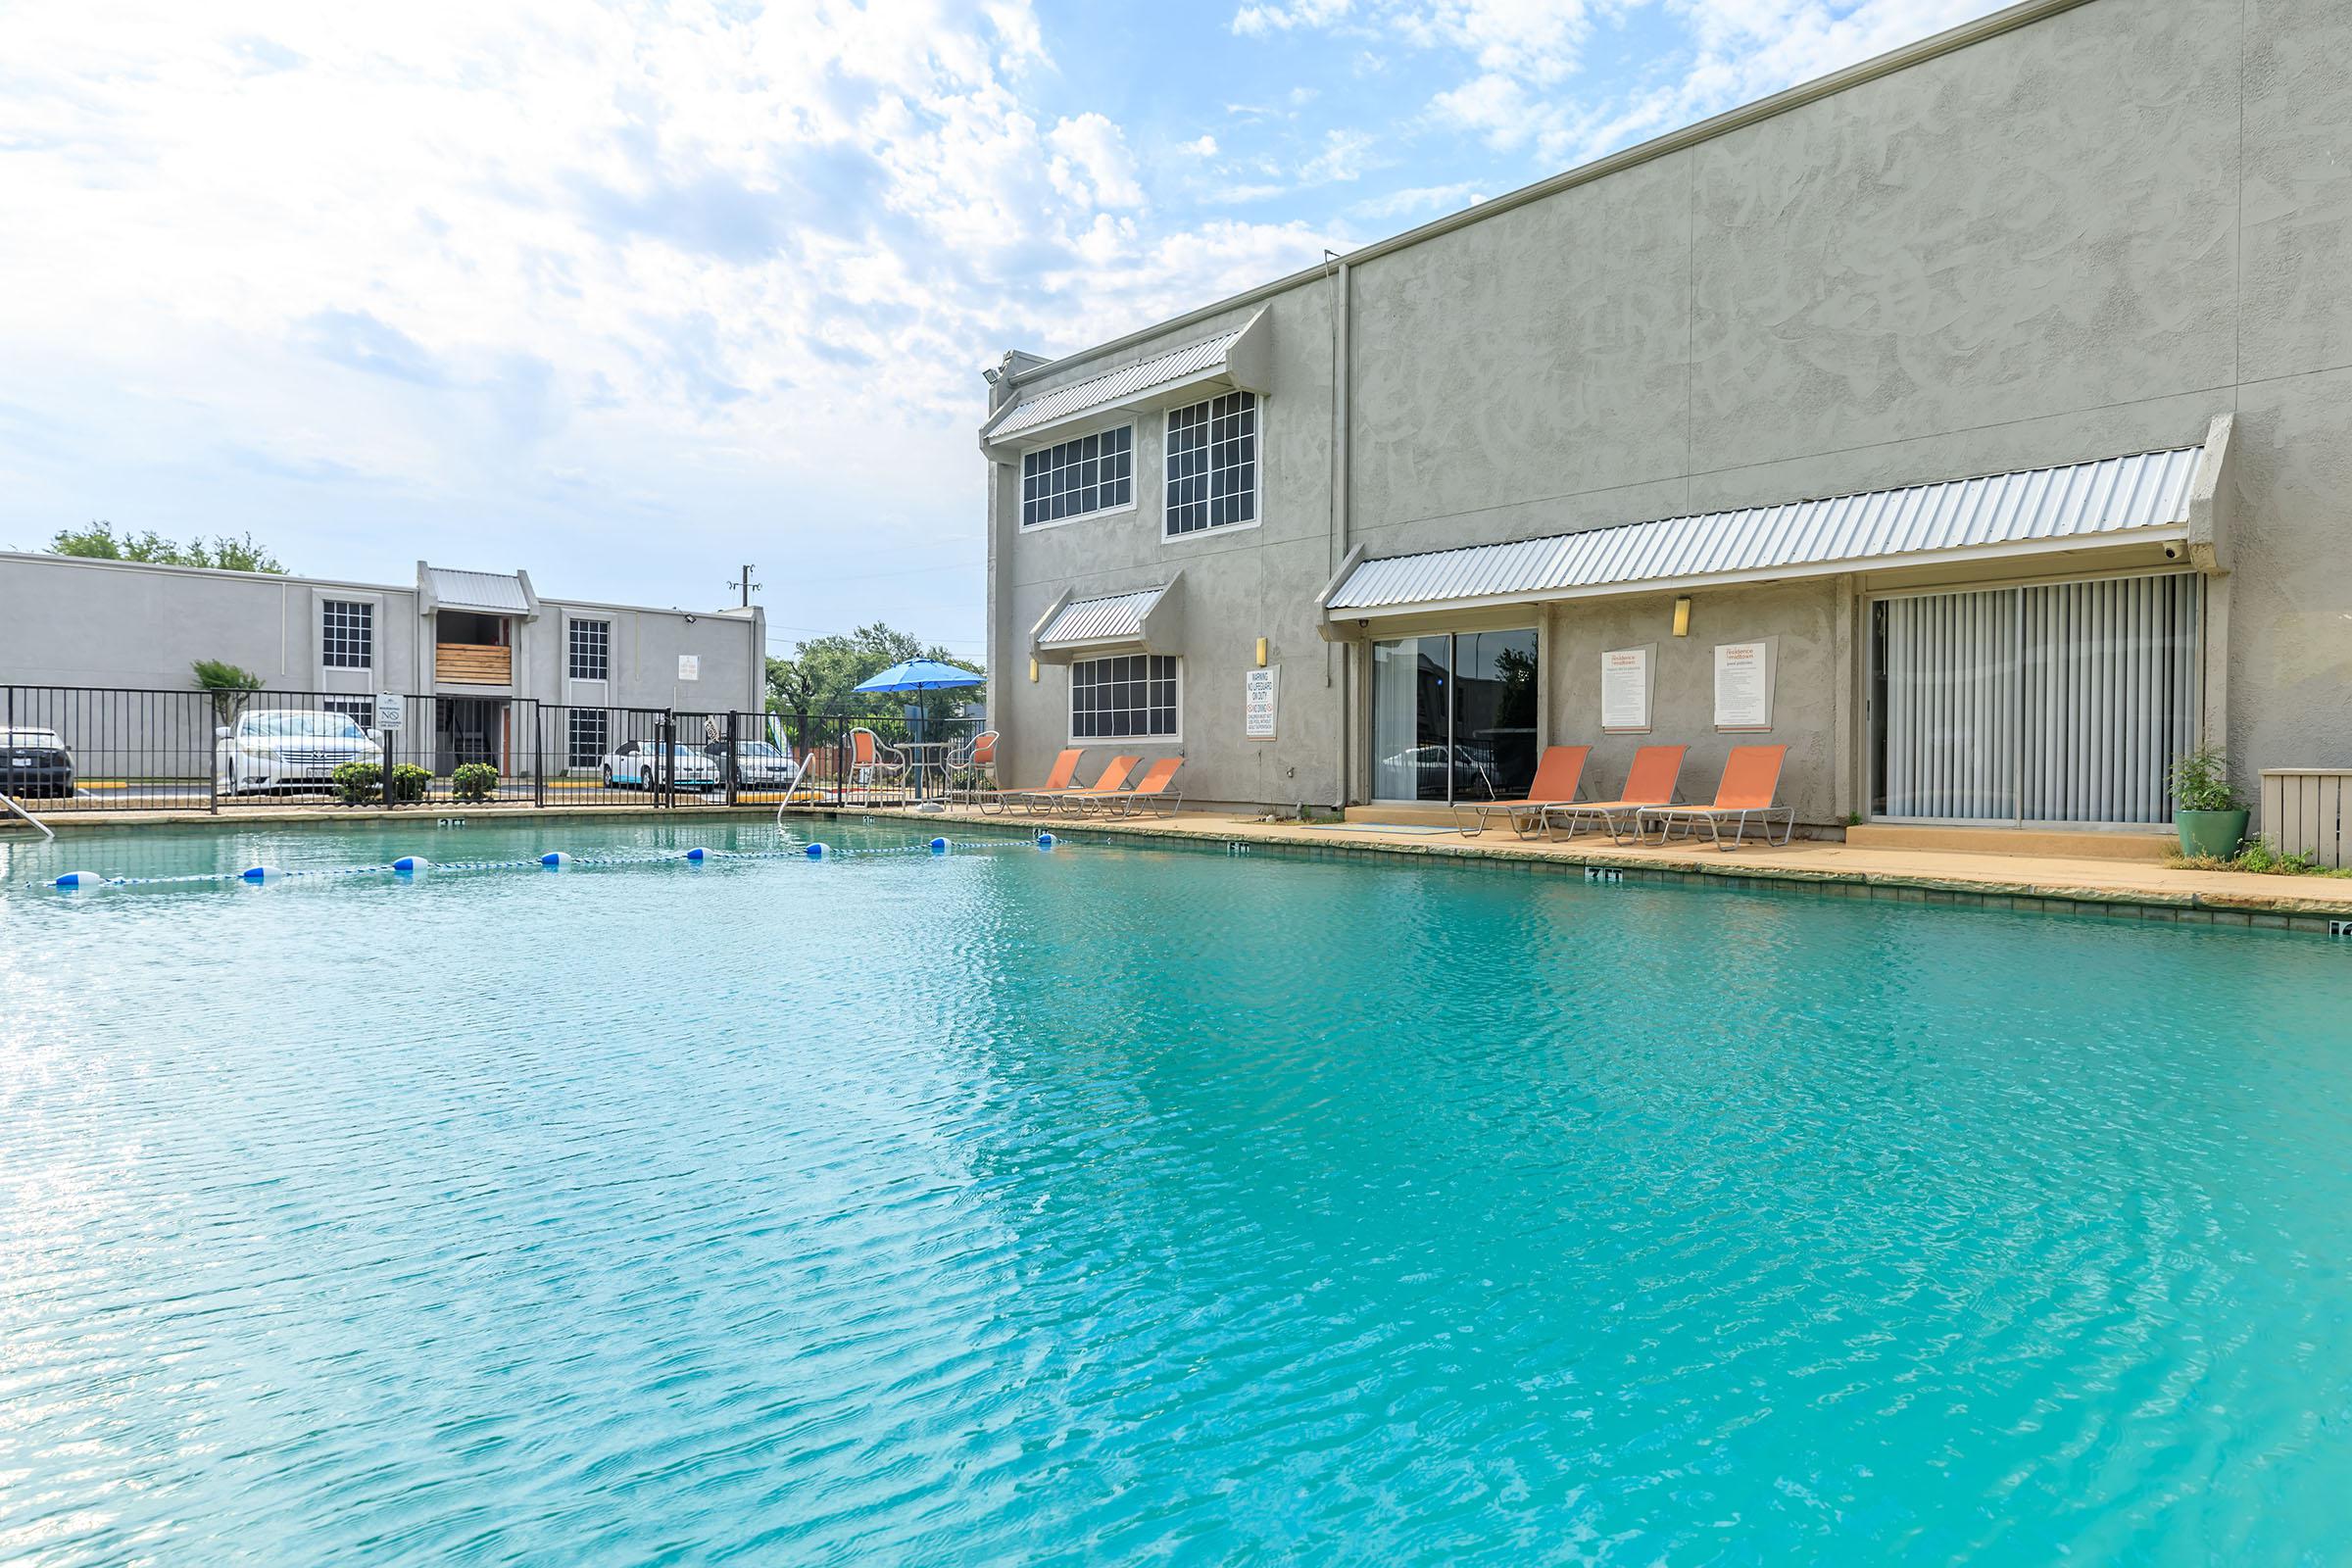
1625,689
690,666
1262,693
391,710
1743,685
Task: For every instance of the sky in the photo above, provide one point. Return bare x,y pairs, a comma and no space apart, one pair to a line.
630,295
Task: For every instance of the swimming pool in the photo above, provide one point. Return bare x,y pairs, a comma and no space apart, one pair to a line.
1123,1204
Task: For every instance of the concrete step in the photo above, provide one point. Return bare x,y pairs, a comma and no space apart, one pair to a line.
1436,816
2136,844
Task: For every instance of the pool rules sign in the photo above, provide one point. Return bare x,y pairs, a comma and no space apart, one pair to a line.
1261,694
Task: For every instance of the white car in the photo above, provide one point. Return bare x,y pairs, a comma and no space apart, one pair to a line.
288,748
639,766
758,765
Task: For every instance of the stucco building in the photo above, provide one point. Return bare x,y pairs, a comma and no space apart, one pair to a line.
1977,422
483,649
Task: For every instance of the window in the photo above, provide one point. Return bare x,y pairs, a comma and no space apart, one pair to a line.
360,710
591,650
1093,474
586,736
1212,464
1130,696
347,634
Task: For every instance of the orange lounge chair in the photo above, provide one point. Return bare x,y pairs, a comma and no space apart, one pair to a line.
1151,792
1650,782
1554,784
1114,777
1066,768
1751,776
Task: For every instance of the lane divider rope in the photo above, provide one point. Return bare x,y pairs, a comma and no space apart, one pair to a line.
552,860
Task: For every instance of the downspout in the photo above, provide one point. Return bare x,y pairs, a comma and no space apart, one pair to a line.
1335,653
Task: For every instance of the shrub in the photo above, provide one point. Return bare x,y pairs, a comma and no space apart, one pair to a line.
2201,783
356,782
409,783
475,781
2264,858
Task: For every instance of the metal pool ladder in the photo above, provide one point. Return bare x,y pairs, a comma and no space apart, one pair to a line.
9,802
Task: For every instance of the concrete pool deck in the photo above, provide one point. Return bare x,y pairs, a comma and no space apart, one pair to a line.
2146,890
2135,888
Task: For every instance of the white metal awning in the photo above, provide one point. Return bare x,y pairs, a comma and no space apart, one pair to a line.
2143,497
1146,618
1233,359
496,593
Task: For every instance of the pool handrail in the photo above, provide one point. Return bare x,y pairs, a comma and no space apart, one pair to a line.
9,802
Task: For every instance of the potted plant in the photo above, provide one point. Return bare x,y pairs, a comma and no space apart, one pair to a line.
2207,812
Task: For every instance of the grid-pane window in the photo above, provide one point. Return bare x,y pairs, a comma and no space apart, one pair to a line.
1213,463
586,735
1093,474
591,650
347,634
1132,696
360,710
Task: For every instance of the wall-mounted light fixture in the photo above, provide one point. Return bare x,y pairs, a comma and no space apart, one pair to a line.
1682,617
1261,653
1033,669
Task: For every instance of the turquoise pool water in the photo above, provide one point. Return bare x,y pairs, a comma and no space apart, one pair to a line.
1116,1204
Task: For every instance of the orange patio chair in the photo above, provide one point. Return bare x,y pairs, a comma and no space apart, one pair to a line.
1751,775
1112,781
1066,768
1152,793
1554,784
1650,782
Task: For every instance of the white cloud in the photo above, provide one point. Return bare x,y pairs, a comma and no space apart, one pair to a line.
1205,147
587,271
1091,162
1342,157
1417,200
1258,19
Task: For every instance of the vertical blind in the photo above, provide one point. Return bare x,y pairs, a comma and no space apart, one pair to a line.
2060,703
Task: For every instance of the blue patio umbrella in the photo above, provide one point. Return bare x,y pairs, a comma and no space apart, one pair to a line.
920,676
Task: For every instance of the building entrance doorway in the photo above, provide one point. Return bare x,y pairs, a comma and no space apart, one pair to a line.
1453,716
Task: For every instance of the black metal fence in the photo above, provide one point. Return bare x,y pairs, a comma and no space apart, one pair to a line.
115,749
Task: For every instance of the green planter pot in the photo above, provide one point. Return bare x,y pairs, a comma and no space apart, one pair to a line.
2217,834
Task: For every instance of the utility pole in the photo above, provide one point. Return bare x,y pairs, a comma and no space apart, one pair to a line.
746,584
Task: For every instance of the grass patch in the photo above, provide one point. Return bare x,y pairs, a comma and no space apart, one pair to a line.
2261,858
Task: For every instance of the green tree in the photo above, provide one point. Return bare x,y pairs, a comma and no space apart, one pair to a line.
100,542
820,675
229,683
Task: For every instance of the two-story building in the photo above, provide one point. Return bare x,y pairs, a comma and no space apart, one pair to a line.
1977,422
482,649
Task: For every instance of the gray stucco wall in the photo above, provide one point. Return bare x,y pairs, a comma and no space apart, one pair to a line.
2083,237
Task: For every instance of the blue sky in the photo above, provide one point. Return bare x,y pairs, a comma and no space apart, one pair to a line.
631,294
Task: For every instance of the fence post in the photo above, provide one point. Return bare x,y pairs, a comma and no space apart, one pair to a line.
734,732
538,755
666,788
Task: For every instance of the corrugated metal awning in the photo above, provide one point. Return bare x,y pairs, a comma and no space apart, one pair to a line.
496,593
1118,618
1234,357
2142,496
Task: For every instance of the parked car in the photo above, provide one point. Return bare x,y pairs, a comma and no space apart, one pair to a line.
34,762
288,748
638,765
758,765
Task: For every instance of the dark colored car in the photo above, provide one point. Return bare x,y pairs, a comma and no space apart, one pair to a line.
34,762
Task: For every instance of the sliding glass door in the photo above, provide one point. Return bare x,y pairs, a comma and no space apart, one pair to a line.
2058,702
1453,716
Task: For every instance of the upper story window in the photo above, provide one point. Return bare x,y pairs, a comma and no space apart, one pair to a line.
1093,474
1127,696
591,656
1212,464
347,634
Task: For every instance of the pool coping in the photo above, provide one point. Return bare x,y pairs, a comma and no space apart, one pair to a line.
1949,878
1961,886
